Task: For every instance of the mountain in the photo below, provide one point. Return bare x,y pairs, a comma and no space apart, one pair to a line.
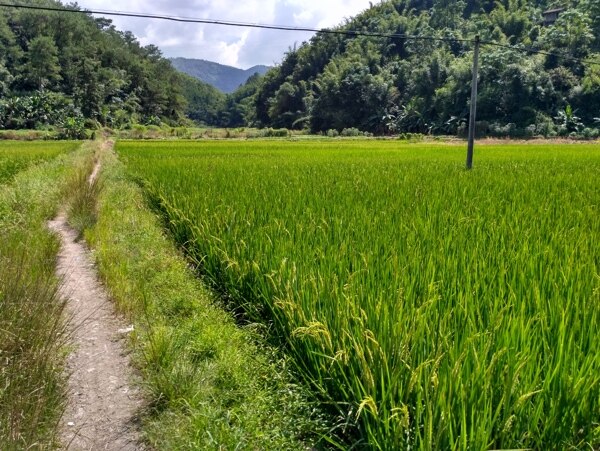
225,78
392,85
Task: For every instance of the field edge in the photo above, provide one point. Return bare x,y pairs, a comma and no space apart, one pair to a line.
209,383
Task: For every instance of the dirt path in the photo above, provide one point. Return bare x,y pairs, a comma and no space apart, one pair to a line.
102,402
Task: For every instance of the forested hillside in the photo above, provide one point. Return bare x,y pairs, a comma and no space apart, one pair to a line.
386,85
62,69
67,70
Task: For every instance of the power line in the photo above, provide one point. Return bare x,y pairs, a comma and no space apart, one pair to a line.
352,33
237,24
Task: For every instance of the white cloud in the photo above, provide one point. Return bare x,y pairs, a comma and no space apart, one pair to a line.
242,47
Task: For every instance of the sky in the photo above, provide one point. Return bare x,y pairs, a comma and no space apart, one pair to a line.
239,47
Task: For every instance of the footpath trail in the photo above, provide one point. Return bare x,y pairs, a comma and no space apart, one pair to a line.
102,403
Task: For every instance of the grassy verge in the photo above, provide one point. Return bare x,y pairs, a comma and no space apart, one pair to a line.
209,384
32,326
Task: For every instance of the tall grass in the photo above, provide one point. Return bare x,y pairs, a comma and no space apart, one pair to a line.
82,196
32,325
434,308
32,334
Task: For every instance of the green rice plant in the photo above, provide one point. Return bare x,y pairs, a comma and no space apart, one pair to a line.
18,155
430,307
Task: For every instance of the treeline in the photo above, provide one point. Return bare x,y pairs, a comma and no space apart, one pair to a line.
384,85
68,69
73,70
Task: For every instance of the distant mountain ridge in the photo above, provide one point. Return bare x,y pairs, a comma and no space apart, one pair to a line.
225,78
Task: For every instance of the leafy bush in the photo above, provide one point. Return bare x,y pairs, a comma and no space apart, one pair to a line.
498,129
352,131
153,120
273,133
568,123
544,125
590,133
72,127
138,131
35,111
412,137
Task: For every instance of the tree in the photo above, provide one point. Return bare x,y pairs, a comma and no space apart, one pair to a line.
592,9
240,109
349,95
588,105
287,105
105,73
572,33
205,104
41,69
513,19
5,80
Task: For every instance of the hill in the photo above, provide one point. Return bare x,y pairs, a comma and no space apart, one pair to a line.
225,78
66,69
388,85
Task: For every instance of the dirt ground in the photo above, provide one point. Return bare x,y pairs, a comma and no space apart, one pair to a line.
103,401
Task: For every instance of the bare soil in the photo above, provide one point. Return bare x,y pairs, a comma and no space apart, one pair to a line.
103,400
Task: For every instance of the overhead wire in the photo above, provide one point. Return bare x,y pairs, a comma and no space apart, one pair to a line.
234,23
338,31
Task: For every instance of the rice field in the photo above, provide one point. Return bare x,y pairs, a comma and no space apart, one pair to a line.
429,307
18,155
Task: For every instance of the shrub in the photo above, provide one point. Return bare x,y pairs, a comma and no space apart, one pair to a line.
498,129
412,137
279,133
273,133
183,132
72,127
590,133
352,131
138,131
544,125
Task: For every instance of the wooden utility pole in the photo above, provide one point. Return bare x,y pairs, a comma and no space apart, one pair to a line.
473,104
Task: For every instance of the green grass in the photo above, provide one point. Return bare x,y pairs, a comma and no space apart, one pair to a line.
432,307
18,155
208,383
83,195
32,327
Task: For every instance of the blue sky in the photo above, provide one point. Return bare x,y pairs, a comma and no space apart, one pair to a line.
240,47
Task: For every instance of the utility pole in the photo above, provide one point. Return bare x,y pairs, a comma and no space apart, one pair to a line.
473,104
